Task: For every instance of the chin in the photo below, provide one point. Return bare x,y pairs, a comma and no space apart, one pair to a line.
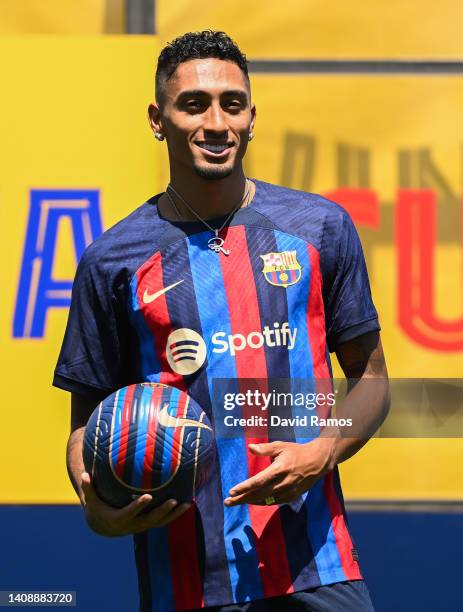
212,172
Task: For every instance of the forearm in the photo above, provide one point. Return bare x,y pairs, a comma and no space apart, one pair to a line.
74,461
363,410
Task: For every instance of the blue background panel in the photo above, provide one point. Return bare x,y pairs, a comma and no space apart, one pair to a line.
51,548
412,560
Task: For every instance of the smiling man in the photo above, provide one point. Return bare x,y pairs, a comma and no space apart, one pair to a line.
265,281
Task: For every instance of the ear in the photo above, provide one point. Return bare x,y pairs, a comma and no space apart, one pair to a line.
253,117
154,118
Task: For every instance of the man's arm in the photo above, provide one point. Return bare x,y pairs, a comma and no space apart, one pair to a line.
81,409
367,401
296,467
102,518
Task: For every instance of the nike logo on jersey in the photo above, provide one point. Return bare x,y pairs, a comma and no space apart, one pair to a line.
167,420
148,298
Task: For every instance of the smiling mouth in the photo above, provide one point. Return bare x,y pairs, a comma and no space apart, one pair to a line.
214,148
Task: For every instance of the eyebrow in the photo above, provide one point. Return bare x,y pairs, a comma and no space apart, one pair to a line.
200,93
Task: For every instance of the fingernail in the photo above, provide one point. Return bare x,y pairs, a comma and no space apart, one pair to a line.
232,491
172,503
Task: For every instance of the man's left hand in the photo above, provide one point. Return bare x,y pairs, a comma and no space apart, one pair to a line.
294,469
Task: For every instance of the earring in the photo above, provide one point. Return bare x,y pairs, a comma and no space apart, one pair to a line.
250,136
158,136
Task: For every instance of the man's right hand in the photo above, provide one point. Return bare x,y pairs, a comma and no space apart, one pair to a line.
109,521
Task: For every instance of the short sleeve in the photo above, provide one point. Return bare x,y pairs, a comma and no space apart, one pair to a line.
349,307
89,362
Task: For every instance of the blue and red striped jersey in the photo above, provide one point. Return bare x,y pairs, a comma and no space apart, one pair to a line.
151,302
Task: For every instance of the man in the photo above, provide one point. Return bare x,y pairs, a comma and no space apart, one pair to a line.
220,256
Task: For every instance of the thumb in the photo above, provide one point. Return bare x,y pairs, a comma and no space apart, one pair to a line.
268,449
87,487
86,480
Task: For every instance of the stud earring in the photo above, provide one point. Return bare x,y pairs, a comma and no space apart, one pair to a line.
251,136
158,136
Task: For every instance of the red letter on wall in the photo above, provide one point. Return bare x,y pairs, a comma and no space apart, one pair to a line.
362,204
416,242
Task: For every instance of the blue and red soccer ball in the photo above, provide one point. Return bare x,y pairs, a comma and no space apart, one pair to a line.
148,438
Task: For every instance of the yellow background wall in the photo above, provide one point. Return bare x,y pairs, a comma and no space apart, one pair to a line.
317,29
62,17
73,115
267,29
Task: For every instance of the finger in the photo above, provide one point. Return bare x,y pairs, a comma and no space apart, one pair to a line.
175,514
283,487
157,520
251,497
286,493
160,512
264,478
287,500
265,449
277,500
87,487
290,485
136,507
85,479
258,491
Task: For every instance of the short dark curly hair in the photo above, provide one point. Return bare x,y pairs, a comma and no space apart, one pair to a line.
196,45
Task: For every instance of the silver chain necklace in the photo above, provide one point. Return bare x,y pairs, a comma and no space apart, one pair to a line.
215,243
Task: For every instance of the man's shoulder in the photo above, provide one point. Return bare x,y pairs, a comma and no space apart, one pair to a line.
126,243
301,212
124,231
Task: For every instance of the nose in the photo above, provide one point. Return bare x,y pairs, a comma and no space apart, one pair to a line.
214,120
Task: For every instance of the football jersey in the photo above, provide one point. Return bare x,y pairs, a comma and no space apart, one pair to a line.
152,302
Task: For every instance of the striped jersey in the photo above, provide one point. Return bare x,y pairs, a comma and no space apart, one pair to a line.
152,302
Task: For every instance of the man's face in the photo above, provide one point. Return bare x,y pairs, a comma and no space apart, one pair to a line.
207,116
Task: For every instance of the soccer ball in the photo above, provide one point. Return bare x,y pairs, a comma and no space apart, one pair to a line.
148,438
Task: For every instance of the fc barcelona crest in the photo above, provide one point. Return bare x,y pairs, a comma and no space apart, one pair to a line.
281,269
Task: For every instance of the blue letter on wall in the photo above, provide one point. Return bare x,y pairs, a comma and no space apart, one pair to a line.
37,290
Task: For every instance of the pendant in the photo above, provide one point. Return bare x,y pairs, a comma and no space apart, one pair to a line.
216,244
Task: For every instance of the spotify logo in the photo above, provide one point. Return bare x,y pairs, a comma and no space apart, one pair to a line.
185,351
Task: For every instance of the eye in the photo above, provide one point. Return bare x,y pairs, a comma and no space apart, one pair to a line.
234,105
194,105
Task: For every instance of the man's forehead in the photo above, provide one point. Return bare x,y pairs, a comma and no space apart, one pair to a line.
209,74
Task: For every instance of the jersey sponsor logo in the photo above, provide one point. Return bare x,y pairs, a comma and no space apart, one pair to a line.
167,420
148,298
185,351
281,269
271,337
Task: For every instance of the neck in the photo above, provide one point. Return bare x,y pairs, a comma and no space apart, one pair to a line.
209,198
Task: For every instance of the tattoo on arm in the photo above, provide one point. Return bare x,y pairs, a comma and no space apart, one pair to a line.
75,439
74,460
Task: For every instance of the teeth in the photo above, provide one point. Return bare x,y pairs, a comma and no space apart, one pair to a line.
214,148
